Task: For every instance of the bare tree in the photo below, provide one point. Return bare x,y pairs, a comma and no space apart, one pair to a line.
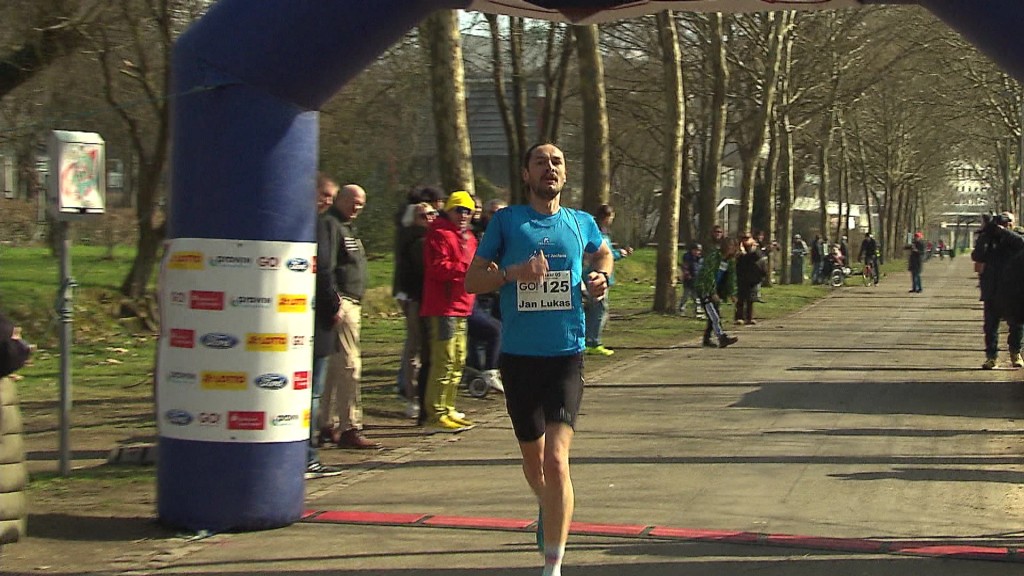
441,39
596,171
711,170
675,118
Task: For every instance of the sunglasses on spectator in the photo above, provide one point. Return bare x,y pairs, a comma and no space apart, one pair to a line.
462,210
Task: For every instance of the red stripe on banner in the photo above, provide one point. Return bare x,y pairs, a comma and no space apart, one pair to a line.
958,551
475,522
369,517
861,545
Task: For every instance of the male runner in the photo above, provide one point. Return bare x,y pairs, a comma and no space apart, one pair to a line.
534,254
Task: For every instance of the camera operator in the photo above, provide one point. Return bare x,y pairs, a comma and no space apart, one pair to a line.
997,244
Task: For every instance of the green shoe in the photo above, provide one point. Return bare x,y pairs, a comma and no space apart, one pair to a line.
599,350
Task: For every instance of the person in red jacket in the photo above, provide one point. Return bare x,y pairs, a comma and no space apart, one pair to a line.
447,251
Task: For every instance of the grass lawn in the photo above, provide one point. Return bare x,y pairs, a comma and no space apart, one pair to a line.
112,361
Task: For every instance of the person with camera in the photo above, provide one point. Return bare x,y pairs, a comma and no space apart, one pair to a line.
996,245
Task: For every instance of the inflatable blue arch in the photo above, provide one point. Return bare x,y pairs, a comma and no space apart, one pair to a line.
233,366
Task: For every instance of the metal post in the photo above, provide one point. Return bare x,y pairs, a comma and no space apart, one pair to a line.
65,311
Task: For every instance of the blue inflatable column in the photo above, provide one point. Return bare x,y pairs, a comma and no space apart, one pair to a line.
994,26
236,283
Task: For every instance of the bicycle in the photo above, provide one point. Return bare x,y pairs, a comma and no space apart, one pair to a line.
867,275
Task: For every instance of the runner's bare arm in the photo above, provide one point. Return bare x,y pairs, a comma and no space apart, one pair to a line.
484,276
601,263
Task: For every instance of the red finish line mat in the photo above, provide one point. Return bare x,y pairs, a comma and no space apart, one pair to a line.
938,548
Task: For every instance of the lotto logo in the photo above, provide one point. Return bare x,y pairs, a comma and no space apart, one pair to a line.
223,380
259,342
185,261
292,303
300,380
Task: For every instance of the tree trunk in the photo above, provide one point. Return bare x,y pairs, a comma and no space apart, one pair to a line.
448,96
515,44
675,117
827,138
514,146
596,162
781,24
711,177
786,191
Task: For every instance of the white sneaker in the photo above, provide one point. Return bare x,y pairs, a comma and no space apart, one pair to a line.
493,379
412,409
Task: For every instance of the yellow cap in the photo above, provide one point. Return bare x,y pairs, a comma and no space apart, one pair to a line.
460,199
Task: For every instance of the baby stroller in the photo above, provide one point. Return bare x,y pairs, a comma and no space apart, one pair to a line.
835,272
484,331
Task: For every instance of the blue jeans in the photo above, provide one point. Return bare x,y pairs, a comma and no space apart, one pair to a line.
319,375
596,314
915,280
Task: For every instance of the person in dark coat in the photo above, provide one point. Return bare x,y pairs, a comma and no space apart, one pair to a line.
916,261
14,353
996,258
749,274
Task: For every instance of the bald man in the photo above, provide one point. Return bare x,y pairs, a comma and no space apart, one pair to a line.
342,271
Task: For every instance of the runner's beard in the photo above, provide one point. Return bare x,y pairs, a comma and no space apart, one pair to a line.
547,194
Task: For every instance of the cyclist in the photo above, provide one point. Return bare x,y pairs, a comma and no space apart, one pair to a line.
869,254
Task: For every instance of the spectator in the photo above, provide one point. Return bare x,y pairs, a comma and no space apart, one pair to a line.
324,345
749,274
14,353
817,258
692,261
869,254
796,266
409,266
717,282
596,309
996,245
916,261
343,268
484,325
447,251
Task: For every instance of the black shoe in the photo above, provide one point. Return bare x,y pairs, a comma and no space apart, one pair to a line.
725,340
710,344
317,470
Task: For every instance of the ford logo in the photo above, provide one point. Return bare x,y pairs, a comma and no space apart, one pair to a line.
297,264
219,340
178,417
271,381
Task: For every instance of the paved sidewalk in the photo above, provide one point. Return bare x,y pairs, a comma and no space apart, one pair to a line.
858,436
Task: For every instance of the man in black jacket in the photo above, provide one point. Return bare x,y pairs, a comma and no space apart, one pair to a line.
341,273
996,245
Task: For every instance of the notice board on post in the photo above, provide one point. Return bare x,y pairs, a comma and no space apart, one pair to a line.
77,175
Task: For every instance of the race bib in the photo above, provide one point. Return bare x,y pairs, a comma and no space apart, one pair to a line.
554,292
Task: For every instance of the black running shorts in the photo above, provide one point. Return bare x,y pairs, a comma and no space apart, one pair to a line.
541,389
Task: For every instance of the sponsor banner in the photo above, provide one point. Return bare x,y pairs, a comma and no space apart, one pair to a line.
235,361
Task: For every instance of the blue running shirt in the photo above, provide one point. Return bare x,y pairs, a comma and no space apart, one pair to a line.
546,318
